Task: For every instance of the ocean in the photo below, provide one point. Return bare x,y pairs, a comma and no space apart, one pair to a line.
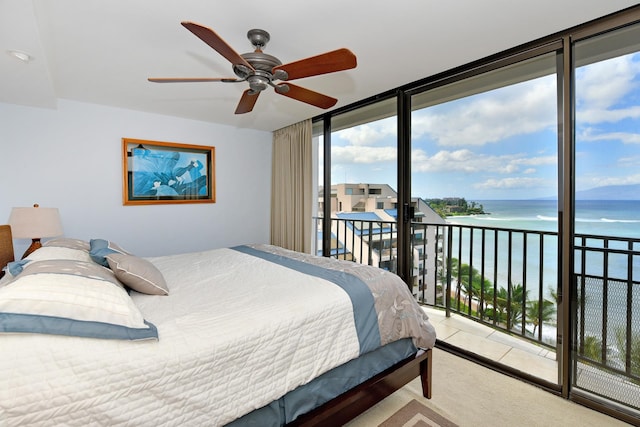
606,218
603,218
619,218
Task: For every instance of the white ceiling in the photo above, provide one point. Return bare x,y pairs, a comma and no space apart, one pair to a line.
102,52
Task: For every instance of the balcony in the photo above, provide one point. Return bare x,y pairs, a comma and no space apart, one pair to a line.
494,345
493,292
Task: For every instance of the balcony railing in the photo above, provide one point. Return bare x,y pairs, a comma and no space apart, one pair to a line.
607,315
505,278
508,279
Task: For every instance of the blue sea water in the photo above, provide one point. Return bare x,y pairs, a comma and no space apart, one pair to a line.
619,218
603,218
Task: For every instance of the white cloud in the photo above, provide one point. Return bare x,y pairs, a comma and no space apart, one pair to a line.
529,107
511,183
602,84
370,133
629,162
600,181
465,160
489,117
363,154
601,115
538,160
624,137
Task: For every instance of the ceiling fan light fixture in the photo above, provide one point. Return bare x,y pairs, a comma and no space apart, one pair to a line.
258,83
280,75
282,88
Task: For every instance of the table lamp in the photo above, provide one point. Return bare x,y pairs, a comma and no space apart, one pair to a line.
35,223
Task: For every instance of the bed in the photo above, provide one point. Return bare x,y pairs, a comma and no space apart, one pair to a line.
251,335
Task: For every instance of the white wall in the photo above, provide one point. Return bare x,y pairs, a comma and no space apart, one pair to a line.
70,158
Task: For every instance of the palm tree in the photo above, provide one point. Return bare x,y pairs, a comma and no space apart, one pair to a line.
593,348
487,294
460,274
621,344
469,280
538,316
499,311
518,298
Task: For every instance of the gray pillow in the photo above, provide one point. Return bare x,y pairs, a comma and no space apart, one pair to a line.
138,274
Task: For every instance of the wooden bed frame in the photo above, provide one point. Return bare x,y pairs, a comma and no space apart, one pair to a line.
349,405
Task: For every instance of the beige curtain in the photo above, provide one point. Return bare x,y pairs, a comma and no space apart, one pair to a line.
291,187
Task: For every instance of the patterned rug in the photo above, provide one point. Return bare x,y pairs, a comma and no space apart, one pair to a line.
415,414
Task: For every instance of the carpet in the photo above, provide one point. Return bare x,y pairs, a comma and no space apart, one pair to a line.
415,414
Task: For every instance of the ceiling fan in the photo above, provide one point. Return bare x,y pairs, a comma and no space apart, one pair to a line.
262,70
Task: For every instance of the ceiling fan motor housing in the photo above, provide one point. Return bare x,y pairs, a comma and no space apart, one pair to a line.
262,63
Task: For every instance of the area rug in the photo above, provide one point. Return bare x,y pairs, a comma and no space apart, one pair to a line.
415,414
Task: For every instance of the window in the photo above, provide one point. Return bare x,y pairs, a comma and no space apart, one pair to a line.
607,189
489,137
364,152
491,140
485,138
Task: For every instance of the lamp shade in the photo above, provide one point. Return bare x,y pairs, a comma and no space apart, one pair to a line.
35,222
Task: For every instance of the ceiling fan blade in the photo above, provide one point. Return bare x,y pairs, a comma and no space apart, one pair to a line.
192,79
308,96
247,101
210,37
336,60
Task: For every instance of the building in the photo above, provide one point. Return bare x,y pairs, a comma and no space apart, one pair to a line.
363,230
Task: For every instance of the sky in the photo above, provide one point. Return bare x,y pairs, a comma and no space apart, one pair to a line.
503,144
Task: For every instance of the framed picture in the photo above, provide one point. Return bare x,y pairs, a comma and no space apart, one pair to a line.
166,172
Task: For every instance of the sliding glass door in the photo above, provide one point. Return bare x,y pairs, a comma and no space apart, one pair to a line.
606,359
484,159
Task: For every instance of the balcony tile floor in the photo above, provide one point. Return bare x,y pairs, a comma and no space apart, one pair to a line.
493,344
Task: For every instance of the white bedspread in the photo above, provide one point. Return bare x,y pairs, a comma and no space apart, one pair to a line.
227,333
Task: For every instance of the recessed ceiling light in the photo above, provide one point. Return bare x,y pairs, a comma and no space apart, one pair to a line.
22,56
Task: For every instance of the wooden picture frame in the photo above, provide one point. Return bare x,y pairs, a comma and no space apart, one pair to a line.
155,172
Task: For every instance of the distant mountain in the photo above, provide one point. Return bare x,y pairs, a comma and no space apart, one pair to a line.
610,192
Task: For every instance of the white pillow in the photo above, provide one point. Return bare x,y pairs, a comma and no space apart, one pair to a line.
57,252
76,298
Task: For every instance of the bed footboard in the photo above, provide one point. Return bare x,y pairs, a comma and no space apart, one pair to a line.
354,402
